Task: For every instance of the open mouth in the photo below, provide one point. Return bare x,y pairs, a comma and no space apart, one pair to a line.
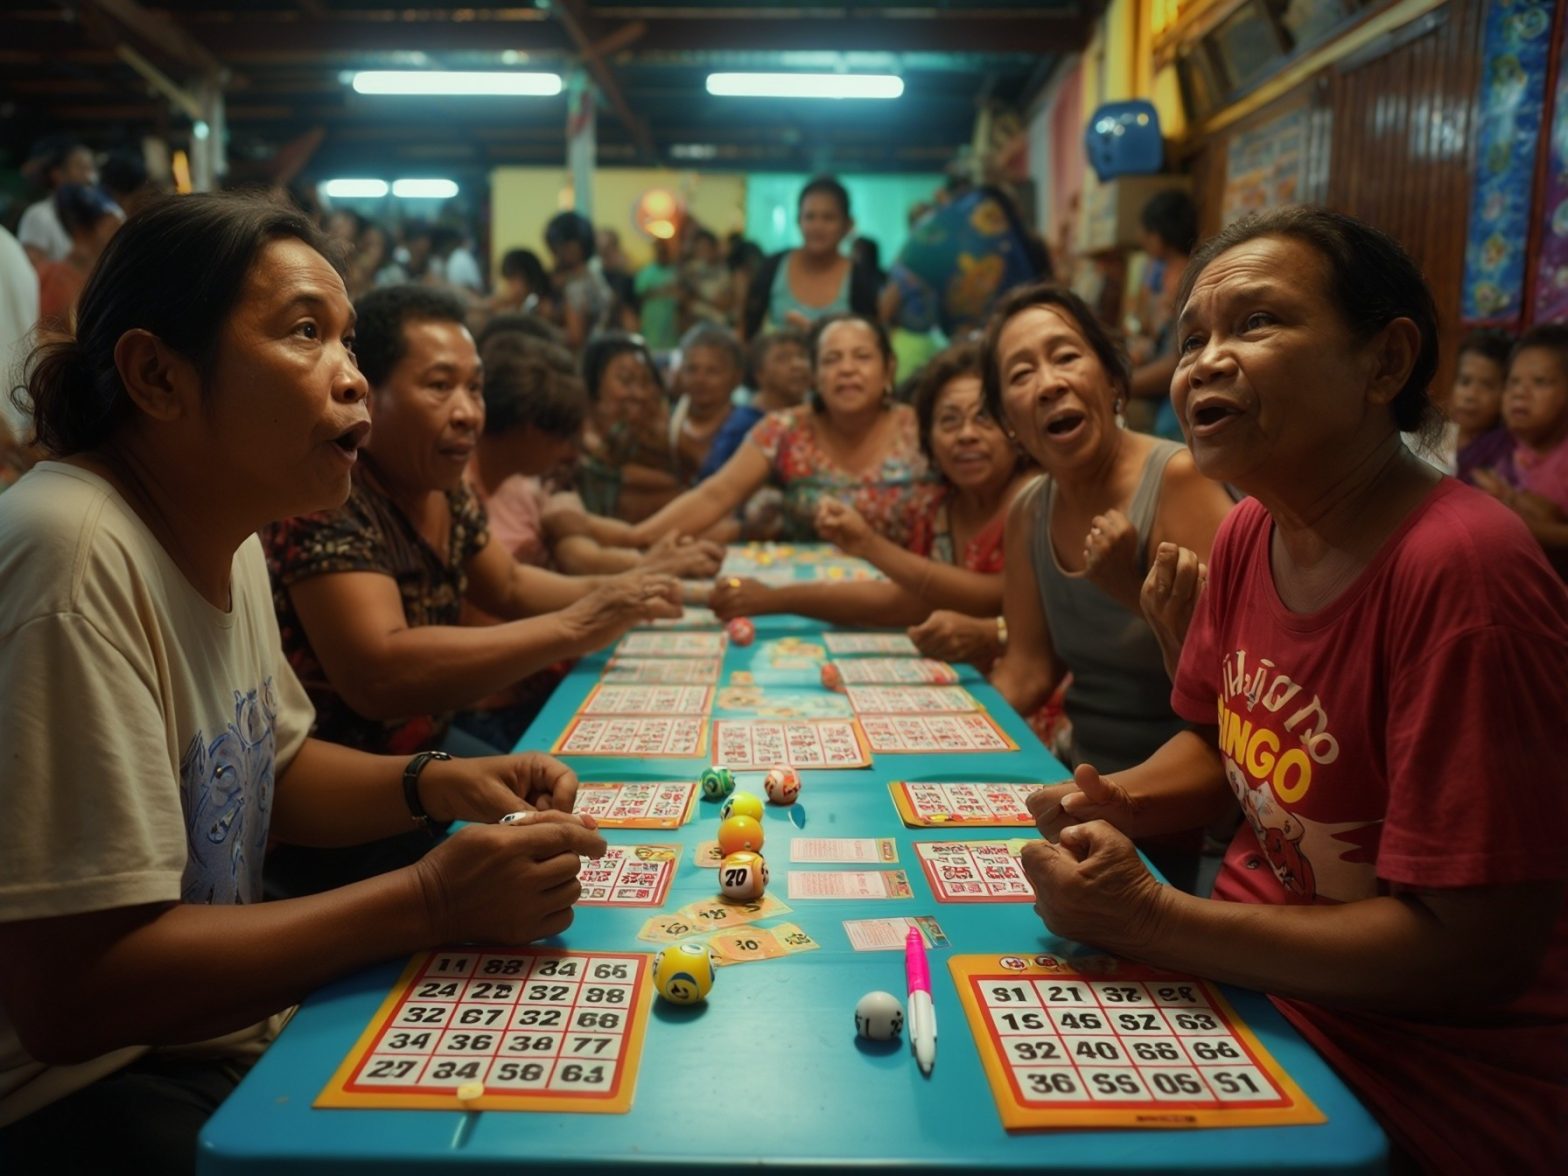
1213,413
350,440
1062,425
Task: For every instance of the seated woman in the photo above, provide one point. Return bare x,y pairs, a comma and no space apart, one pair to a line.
369,597
852,442
625,469
712,365
1373,671
534,409
155,737
1085,535
981,471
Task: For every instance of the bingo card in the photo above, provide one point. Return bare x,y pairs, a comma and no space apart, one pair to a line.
978,804
910,700
663,644
663,671
629,876
634,738
888,644
540,1030
896,671
742,744
612,699
638,804
1102,1042
975,731
974,871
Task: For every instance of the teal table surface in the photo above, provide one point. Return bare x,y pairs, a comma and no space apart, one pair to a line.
768,1071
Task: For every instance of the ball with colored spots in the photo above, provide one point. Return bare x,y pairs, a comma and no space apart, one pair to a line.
741,804
832,678
716,783
743,876
782,784
740,833
683,973
741,631
879,1016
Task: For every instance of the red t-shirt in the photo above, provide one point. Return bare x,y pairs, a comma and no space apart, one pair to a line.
1406,735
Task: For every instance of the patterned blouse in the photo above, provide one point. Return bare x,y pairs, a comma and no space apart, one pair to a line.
898,500
370,534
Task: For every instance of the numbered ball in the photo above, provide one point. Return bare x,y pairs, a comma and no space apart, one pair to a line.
832,678
741,631
716,783
782,784
683,973
740,833
743,876
741,804
879,1016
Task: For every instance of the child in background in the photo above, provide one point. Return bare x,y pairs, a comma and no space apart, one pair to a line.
1533,480
1476,404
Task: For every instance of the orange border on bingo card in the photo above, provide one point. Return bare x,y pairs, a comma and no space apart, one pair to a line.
980,715
905,807
616,1101
585,710
1292,1109
577,719
861,743
643,822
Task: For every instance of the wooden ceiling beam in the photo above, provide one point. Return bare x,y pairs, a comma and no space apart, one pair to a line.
575,21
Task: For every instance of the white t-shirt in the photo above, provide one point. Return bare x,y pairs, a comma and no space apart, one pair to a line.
40,227
143,731
462,269
18,316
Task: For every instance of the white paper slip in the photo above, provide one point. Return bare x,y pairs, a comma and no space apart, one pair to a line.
849,884
891,644
870,850
890,934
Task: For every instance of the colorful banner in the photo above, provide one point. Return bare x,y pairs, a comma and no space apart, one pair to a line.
1515,48
1551,276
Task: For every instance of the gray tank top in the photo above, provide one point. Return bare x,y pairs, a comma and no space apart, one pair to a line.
1120,698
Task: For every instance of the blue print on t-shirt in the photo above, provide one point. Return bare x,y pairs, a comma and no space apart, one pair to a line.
226,787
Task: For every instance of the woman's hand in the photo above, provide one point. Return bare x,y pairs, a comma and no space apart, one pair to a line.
736,596
683,557
1088,796
1170,595
843,526
632,598
1093,888
954,637
487,788
1110,557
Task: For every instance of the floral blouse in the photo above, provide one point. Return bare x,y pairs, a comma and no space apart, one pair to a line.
370,534
898,500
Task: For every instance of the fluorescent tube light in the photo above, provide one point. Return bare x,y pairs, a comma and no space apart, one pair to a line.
471,82
805,85
424,189
350,189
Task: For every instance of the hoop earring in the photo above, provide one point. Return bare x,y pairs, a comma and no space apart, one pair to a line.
1121,419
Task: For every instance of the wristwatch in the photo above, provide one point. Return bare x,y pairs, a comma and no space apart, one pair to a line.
416,810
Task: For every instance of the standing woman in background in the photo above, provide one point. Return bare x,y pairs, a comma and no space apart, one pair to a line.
796,287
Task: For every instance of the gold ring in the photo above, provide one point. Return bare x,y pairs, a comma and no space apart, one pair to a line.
732,582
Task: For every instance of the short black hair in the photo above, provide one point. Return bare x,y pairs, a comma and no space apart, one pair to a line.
570,226
1489,343
123,173
767,341
829,186
519,322
379,339
1059,298
606,346
1173,218
525,264
533,383
176,270
1371,279
1544,336
81,206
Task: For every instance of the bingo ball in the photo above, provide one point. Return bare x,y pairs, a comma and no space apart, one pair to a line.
831,678
878,1016
683,973
716,783
740,833
741,804
743,876
741,631
782,784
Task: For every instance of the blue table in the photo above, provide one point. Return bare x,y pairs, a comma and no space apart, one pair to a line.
769,1071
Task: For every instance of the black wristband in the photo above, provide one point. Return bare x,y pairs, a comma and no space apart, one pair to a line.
416,810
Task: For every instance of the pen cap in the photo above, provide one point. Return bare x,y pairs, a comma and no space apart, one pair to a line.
915,962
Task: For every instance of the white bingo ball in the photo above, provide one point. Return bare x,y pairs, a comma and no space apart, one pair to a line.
879,1016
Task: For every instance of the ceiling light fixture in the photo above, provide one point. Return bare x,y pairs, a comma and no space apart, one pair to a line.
424,189
349,189
805,85
482,83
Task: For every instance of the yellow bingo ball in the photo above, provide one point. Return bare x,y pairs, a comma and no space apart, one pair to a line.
743,876
740,833
683,973
741,804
